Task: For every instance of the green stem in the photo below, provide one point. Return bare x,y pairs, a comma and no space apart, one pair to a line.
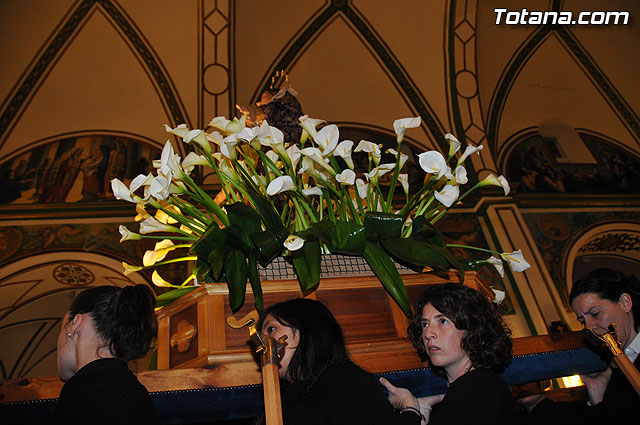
472,247
394,179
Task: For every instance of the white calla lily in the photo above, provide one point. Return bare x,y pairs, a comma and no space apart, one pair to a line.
128,268
497,263
327,139
516,261
404,181
309,127
362,188
343,150
280,184
159,252
454,144
316,156
170,162
448,195
151,225
492,180
403,157
434,163
461,175
346,178
293,152
498,296
180,131
191,160
469,151
372,149
401,125
198,137
228,126
160,187
128,235
121,191
312,191
159,281
293,243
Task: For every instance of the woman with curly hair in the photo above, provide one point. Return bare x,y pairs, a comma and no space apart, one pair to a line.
467,342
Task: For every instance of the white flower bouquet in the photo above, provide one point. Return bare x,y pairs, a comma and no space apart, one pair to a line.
298,198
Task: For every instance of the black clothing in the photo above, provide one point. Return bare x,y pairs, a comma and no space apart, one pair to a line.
620,400
340,393
104,392
477,397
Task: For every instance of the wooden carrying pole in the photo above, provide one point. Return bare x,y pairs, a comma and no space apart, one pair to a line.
619,356
270,359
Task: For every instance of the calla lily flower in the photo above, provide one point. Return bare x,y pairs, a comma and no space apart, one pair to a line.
215,137
316,156
433,162
401,125
128,268
293,152
499,296
169,162
379,171
191,160
200,138
293,243
343,150
497,263
152,225
159,281
228,126
165,218
309,127
160,188
454,144
121,191
139,181
403,157
362,187
327,139
347,177
228,146
372,149
312,191
404,181
160,251
180,131
280,184
128,235
469,151
448,195
516,261
461,175
492,180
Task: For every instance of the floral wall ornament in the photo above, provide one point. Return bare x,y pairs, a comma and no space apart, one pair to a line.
326,208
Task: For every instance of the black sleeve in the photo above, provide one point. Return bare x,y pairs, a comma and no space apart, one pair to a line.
356,397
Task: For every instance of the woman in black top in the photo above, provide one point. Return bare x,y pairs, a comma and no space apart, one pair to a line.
320,385
466,341
104,328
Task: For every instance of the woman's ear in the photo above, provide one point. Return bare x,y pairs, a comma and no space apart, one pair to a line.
76,323
626,302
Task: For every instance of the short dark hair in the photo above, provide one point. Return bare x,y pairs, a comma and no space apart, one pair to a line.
487,341
124,318
321,337
609,284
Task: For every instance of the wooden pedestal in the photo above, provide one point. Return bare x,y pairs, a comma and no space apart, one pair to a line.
193,331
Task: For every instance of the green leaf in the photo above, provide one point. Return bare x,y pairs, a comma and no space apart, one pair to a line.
254,279
380,225
265,209
348,238
417,252
423,230
306,261
237,274
246,220
383,267
170,296
268,243
454,261
210,239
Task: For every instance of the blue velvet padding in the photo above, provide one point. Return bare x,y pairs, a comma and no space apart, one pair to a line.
211,404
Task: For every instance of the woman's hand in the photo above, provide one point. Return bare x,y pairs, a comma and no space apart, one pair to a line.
596,384
399,397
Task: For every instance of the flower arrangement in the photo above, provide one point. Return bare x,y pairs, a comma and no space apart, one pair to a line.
301,199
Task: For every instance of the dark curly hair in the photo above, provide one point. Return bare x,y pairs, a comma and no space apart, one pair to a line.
487,341
609,285
124,318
